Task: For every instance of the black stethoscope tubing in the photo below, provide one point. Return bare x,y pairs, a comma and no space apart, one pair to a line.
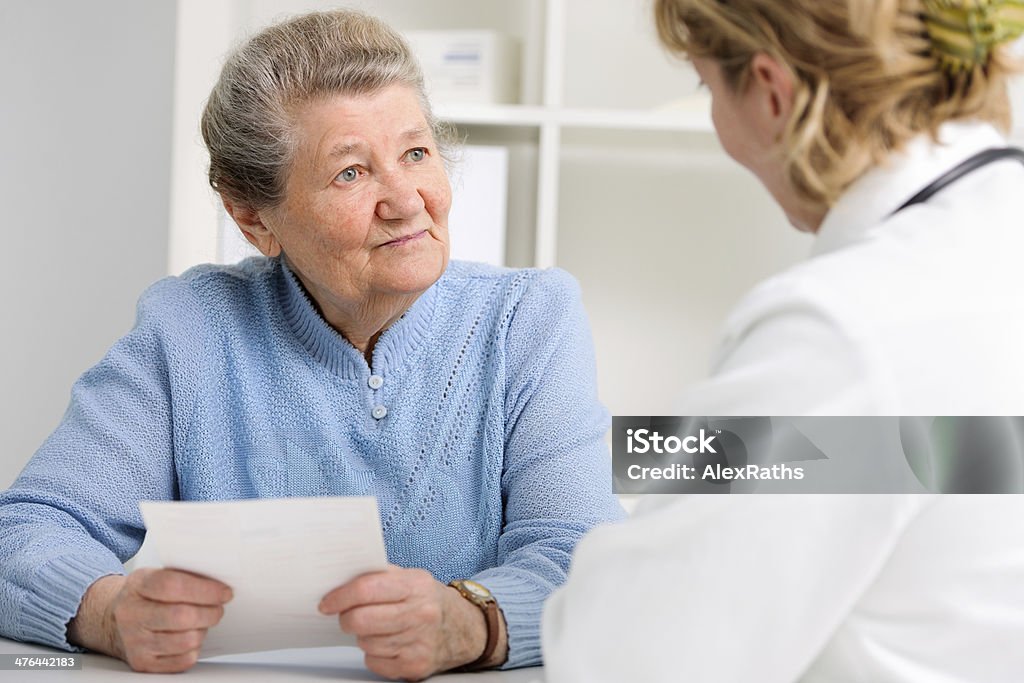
973,163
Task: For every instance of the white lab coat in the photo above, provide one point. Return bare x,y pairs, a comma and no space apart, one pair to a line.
920,313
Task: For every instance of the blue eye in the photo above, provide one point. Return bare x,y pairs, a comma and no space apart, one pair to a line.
348,175
416,154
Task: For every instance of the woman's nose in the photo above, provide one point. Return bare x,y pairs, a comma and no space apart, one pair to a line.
400,198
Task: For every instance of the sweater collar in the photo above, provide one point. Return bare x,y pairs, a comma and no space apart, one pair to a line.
880,191
329,347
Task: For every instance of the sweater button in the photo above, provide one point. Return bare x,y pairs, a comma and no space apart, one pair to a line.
379,412
376,381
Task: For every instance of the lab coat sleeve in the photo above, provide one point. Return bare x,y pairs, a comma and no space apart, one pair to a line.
718,588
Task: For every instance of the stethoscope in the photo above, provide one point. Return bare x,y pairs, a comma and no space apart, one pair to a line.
973,163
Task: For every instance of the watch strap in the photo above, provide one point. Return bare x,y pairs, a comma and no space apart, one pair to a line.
489,607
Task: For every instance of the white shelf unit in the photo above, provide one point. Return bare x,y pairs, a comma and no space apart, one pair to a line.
615,174
551,118
692,119
550,121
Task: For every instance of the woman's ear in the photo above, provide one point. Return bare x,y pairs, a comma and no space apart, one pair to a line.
251,224
774,85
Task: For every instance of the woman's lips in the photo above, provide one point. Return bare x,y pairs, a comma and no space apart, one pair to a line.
405,240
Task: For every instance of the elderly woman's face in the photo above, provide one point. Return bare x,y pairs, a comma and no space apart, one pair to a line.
366,202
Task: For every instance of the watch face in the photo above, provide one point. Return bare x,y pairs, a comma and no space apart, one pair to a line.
476,589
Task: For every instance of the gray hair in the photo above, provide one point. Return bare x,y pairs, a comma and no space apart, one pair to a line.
247,124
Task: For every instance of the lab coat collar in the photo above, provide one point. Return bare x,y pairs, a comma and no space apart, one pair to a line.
880,191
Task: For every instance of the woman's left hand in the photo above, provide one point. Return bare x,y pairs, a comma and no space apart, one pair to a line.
409,625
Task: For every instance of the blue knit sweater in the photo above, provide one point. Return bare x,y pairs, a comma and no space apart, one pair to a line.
478,429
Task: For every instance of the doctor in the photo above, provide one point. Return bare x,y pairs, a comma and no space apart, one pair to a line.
875,124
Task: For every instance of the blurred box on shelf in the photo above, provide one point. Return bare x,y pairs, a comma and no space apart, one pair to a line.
476,223
468,67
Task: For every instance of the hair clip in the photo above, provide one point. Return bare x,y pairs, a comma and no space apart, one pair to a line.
963,32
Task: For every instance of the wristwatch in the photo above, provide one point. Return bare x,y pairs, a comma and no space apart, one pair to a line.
482,598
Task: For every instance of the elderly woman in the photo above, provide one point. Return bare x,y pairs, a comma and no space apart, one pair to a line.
873,123
353,359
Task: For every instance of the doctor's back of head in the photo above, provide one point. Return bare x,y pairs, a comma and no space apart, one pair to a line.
867,75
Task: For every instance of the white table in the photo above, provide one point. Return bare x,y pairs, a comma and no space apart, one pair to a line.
317,664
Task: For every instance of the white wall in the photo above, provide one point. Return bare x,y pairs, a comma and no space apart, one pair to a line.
85,119
664,242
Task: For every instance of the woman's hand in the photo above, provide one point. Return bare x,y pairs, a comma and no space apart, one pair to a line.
409,625
153,619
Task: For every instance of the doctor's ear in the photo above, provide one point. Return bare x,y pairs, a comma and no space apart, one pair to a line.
775,83
250,222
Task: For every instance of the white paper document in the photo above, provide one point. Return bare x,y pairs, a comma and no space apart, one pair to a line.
280,557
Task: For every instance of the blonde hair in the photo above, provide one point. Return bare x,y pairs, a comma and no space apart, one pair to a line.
248,124
867,79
